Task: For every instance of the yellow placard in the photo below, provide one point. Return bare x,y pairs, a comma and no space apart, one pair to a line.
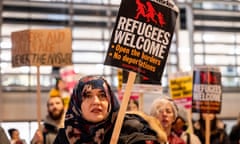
181,87
120,79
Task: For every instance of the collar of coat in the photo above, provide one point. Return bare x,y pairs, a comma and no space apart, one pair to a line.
154,124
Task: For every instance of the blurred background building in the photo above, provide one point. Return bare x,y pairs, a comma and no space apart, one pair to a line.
207,33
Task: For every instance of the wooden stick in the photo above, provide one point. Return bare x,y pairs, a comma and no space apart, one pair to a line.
207,129
38,98
140,101
190,125
123,107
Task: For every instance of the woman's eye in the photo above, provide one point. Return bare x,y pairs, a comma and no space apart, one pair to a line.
102,95
87,96
169,112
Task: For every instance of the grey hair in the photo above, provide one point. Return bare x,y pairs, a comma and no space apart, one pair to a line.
157,103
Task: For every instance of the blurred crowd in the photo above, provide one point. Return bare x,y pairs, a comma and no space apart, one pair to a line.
88,114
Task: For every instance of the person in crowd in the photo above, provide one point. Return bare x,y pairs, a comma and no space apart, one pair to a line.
140,128
218,133
60,89
15,137
165,110
52,123
180,127
133,105
234,135
92,113
3,137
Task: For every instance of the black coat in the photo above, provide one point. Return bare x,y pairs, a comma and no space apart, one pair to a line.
135,130
218,134
62,139
235,134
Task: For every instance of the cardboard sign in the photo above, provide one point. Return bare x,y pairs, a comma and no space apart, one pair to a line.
142,36
42,47
180,88
207,90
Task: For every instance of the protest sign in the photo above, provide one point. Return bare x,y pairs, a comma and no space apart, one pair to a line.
207,90
142,36
207,94
41,47
140,43
180,88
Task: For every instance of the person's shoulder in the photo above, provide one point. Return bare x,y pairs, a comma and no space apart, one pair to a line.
151,121
61,137
194,138
49,128
235,128
174,139
139,122
23,141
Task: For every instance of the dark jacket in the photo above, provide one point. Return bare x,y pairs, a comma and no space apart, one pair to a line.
62,139
137,128
49,133
218,134
235,134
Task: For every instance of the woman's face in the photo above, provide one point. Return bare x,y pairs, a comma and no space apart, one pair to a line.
132,106
95,105
178,125
61,85
166,115
15,135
